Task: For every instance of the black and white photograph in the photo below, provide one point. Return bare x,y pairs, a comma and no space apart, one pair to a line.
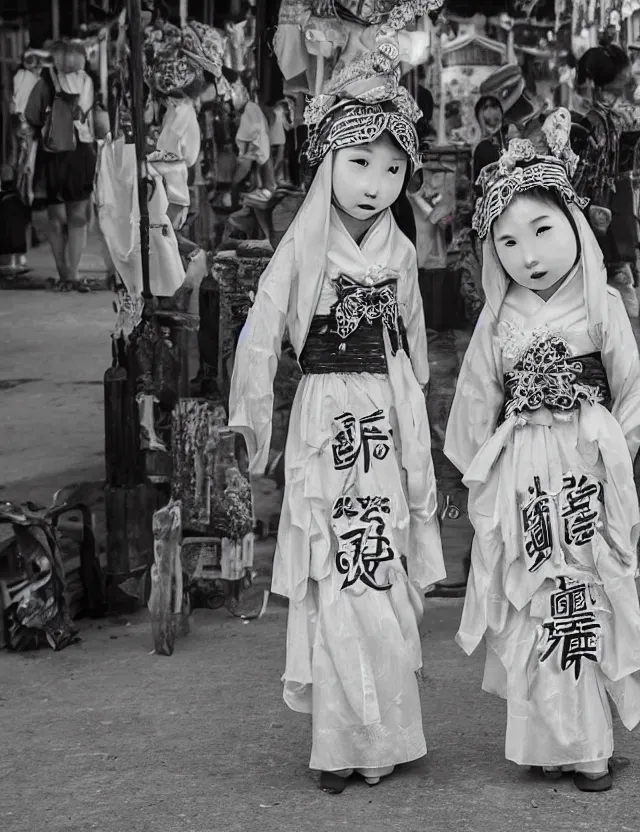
319,415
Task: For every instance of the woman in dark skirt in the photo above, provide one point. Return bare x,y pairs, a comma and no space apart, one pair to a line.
68,174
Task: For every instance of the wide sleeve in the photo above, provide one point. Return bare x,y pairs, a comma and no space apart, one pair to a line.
622,365
256,359
478,399
412,312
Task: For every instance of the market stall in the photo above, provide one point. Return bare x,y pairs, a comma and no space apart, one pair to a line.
175,473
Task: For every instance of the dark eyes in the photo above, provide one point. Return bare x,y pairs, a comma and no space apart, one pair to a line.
541,230
364,163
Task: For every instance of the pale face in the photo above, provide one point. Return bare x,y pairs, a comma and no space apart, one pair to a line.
368,178
535,243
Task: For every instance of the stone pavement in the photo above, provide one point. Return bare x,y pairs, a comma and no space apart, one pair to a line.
104,736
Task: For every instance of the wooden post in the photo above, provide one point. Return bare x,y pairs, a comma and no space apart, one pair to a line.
261,61
55,19
137,96
121,424
165,601
103,39
184,12
442,125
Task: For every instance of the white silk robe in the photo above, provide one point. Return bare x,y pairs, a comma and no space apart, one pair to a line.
352,647
558,709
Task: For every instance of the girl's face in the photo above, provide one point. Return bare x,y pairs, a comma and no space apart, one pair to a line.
368,178
535,243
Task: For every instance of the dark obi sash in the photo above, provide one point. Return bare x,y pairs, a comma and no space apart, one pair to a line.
559,382
351,338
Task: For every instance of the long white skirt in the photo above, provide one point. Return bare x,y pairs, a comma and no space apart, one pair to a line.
353,646
552,585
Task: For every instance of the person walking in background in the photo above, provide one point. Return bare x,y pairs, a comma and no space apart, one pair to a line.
490,117
254,145
60,109
599,176
24,157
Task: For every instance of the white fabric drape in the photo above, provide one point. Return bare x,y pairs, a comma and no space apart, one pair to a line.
116,198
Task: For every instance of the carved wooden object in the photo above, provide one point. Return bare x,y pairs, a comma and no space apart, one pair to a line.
165,601
203,450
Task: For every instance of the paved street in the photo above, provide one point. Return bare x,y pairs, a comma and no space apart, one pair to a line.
104,736
54,350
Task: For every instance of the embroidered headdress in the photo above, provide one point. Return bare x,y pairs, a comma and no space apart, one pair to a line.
350,54
549,163
167,69
352,123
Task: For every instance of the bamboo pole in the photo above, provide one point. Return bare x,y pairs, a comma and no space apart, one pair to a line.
103,40
442,123
137,119
55,19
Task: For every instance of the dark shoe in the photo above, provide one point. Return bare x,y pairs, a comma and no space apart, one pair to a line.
331,782
588,784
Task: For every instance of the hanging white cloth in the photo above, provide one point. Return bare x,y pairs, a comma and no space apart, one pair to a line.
23,83
116,196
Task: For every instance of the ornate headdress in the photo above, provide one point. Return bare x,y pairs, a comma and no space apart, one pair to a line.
167,69
351,54
352,122
549,163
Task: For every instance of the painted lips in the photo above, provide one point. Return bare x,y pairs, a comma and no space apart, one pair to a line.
366,207
538,275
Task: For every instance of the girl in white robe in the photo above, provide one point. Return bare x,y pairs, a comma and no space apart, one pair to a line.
545,427
358,542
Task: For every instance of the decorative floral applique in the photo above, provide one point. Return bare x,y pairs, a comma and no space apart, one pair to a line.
545,374
514,341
